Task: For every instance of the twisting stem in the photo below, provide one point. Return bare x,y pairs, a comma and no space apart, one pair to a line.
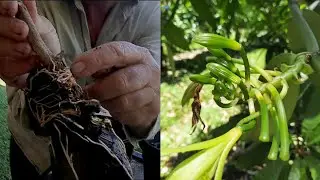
34,37
243,54
284,89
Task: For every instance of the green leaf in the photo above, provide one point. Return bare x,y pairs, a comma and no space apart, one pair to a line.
311,102
258,57
291,98
294,36
197,164
314,166
203,8
298,170
175,35
257,153
219,53
315,79
215,41
315,6
286,58
311,129
272,170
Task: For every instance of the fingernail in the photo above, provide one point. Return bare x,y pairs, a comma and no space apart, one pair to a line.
78,67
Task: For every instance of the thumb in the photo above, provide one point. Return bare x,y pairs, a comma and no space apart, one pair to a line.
32,8
44,27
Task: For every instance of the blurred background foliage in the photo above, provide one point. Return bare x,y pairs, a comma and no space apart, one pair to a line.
262,27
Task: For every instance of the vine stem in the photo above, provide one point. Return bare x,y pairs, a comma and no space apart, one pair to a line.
248,118
34,37
277,81
283,125
267,74
246,63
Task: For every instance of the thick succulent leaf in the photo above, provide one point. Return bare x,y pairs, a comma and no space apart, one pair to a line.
294,35
196,165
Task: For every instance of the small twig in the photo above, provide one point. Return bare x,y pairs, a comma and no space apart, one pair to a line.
34,37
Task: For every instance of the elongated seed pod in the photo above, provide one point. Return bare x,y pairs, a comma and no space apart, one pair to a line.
203,79
216,41
283,126
228,64
264,131
223,73
220,53
274,150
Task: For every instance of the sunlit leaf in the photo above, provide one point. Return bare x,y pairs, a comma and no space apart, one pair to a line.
199,163
258,57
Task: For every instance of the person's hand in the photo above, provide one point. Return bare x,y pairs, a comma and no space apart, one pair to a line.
16,55
131,93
